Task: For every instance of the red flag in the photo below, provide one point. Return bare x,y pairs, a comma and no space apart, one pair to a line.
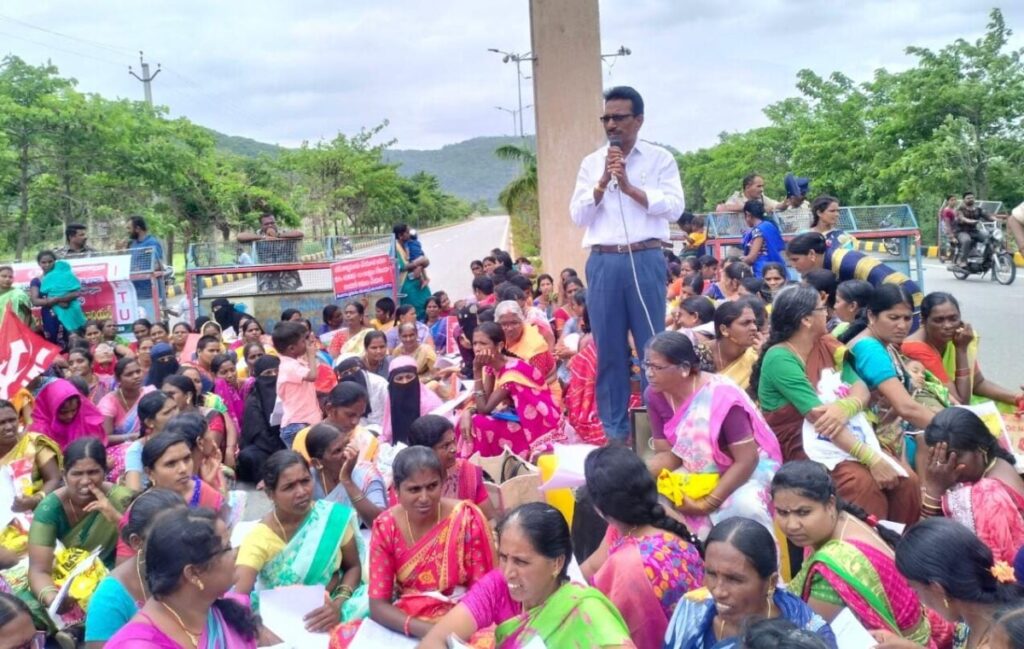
23,354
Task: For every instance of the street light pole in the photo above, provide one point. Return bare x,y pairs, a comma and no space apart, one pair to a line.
518,60
511,112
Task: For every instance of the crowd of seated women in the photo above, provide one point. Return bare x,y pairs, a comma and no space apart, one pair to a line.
807,457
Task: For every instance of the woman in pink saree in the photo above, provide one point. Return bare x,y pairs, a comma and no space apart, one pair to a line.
723,455
647,560
972,479
190,566
512,407
64,415
425,552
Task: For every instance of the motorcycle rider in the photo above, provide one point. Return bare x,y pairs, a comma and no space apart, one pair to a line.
968,215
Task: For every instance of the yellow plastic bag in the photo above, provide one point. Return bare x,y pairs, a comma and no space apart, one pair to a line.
694,486
85,583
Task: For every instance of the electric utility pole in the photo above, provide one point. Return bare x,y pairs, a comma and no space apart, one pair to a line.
146,78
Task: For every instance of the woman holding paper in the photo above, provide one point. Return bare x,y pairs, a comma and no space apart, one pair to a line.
424,552
971,479
798,354
852,563
82,515
740,586
303,542
718,456
117,597
35,461
529,596
190,567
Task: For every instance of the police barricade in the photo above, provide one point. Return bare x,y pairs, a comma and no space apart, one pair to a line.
888,230
269,276
120,285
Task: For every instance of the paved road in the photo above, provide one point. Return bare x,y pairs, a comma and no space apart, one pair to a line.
449,249
995,311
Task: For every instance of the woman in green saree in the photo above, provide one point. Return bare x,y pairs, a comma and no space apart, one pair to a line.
82,515
303,542
529,596
20,303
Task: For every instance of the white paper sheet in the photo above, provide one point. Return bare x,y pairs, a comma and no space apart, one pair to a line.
6,496
374,636
850,633
82,566
240,531
569,472
282,610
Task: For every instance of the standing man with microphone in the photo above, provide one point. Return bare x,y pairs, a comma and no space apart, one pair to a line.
626,195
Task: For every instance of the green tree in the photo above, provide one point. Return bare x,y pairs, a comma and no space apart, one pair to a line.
519,198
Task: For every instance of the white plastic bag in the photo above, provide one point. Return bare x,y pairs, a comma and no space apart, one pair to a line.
823,450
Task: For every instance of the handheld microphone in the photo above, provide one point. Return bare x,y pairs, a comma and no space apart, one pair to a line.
614,141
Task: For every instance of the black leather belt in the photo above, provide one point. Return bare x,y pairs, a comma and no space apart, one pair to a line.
648,244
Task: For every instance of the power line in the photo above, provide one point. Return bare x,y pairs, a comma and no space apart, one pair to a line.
61,49
112,48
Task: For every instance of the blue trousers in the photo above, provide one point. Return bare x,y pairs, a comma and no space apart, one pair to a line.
615,311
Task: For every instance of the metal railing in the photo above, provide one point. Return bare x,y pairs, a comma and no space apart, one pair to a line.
236,256
852,219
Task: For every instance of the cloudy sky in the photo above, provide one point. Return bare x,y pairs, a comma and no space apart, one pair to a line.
286,72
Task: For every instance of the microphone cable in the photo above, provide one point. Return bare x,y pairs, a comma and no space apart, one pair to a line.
632,261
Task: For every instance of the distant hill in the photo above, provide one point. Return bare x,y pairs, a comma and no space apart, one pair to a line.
243,146
469,169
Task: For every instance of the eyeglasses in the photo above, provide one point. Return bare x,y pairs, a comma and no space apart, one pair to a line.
618,119
651,367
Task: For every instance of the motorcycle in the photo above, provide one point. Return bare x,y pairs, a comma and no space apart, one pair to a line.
988,252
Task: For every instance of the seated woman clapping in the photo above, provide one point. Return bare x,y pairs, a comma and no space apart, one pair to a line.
647,559
301,542
529,596
190,567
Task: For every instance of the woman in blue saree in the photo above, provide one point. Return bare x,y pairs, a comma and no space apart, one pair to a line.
740,586
762,243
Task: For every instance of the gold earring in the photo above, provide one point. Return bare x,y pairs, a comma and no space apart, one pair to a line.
945,602
199,584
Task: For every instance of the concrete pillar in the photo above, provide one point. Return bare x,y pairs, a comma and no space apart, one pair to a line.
566,42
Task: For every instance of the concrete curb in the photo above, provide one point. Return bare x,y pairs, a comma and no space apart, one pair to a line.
929,251
209,281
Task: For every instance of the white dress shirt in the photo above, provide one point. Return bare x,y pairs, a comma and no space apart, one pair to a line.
648,167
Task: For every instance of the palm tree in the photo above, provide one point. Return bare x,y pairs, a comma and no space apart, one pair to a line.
522,190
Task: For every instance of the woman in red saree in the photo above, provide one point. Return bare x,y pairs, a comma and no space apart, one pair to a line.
971,478
425,552
533,422
581,391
